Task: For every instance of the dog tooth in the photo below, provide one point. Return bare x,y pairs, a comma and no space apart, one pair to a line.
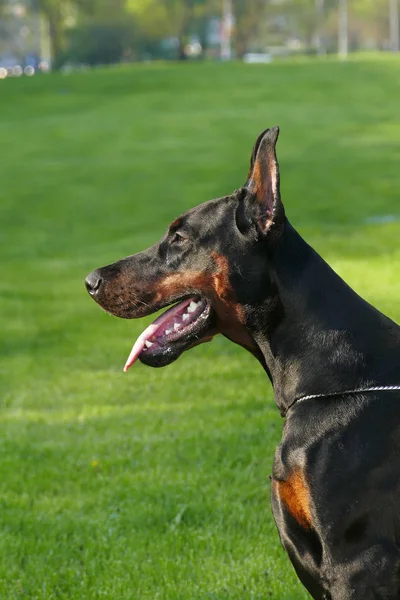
185,317
192,306
168,331
176,326
148,344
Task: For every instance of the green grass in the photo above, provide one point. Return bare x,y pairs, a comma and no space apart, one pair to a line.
155,484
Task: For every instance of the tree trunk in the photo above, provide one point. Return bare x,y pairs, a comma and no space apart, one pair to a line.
52,10
181,48
343,41
185,28
226,30
55,39
241,44
394,25
319,37
55,34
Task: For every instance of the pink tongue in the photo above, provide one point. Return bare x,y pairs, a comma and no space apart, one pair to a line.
152,329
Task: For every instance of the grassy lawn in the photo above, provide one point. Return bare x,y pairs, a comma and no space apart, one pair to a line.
154,484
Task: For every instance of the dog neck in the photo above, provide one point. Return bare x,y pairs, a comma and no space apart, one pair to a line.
322,336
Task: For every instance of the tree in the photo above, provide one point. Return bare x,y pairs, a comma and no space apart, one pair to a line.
55,13
101,42
181,13
306,20
250,17
368,23
170,18
59,12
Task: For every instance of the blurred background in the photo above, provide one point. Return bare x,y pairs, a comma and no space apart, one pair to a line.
67,34
115,117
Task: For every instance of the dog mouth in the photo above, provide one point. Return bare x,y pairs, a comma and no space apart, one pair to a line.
180,327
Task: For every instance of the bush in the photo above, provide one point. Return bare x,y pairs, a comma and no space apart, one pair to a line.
101,43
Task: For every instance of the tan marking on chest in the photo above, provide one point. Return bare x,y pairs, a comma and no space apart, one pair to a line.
295,496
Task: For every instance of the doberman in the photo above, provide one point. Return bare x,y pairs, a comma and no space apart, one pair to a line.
236,266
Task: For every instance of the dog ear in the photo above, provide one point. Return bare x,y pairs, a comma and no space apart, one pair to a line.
263,181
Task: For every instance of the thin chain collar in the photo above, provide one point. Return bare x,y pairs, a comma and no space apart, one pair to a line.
381,388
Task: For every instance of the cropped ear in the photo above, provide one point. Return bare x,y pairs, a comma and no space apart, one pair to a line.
263,181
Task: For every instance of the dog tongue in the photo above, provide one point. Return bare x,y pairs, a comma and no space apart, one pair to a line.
152,329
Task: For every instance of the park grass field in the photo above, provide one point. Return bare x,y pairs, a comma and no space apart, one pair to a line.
154,484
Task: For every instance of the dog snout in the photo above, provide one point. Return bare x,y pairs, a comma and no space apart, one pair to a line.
93,283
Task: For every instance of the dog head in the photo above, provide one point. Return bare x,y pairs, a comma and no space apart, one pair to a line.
211,269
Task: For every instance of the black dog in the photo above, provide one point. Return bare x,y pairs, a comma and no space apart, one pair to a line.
236,266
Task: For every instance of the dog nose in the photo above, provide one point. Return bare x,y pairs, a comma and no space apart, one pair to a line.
93,283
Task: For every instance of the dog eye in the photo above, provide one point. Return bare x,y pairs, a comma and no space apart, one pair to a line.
178,238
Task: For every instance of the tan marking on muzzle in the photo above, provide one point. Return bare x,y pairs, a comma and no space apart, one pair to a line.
217,287
179,284
214,284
